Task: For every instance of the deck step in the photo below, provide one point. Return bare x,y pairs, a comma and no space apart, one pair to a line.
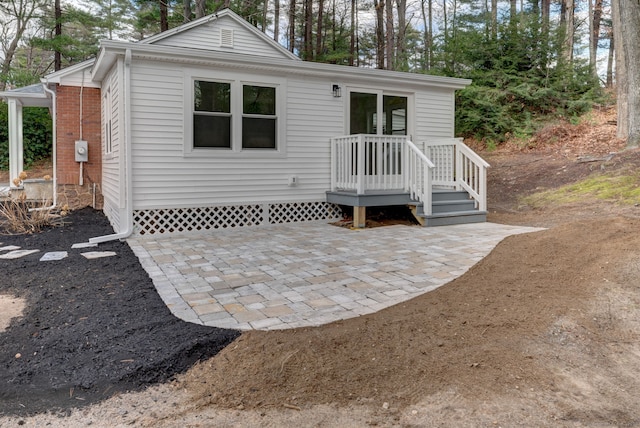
439,207
440,195
449,207
460,217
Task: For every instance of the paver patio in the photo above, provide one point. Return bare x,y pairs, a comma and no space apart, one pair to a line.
307,274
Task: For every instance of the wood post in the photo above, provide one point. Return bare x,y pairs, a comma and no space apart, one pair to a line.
359,217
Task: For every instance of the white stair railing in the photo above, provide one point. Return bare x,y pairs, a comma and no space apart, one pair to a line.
418,176
364,163
471,174
459,167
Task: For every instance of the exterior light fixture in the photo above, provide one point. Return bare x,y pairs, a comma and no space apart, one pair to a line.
337,91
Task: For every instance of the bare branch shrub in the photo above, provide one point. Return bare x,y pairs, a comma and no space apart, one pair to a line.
19,216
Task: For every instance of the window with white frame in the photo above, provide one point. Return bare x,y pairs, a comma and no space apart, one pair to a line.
258,117
212,114
234,116
107,109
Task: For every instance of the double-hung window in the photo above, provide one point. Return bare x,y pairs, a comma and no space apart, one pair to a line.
258,117
234,115
107,109
212,114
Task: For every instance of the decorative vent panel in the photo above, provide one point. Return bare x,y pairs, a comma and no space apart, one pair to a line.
302,211
226,38
181,220
177,220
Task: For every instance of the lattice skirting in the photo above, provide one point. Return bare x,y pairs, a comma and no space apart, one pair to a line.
180,220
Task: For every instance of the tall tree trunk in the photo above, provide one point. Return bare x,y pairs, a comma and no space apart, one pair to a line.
307,54
626,17
201,8
357,51
445,23
545,10
513,11
186,10
610,56
494,19
379,6
276,20
334,38
454,36
390,36
57,58
595,36
292,25
319,29
401,40
427,38
352,38
622,130
430,35
567,29
164,16
265,11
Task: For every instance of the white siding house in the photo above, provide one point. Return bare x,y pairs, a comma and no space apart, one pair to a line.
179,185
213,125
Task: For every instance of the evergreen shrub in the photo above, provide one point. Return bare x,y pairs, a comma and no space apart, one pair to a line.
37,135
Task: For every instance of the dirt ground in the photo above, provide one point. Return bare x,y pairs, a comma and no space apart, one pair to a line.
542,332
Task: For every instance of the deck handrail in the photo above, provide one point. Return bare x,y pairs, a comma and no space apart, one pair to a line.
471,174
363,162
460,167
418,176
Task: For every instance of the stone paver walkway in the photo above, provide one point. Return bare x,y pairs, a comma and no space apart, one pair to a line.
307,274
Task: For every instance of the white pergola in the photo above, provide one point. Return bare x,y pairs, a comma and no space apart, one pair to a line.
30,96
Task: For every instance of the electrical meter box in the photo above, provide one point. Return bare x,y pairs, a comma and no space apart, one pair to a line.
82,151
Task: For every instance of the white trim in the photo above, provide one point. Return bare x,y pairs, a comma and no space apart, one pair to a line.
126,170
57,76
16,149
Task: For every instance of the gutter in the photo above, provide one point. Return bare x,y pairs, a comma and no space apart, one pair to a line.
279,66
128,185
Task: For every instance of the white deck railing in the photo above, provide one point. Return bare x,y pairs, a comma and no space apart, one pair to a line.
364,163
418,177
367,162
459,167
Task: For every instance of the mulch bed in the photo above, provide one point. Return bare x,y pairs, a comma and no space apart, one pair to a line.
91,328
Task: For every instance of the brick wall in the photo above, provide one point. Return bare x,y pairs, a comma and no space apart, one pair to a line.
67,132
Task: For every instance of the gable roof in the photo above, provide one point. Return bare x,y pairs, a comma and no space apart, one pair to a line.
29,96
207,23
183,44
81,67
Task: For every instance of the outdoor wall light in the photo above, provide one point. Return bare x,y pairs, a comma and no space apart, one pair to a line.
337,91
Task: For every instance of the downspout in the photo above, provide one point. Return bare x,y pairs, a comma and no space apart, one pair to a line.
80,119
54,200
128,185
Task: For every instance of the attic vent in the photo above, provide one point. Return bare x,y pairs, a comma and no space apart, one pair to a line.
226,38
